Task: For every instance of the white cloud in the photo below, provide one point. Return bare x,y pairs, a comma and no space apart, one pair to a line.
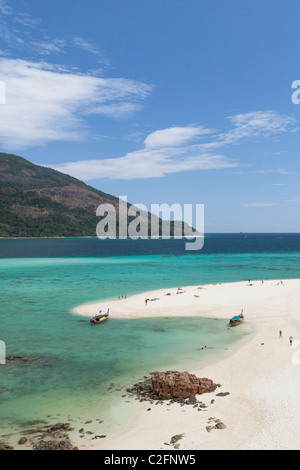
47,47
174,136
87,46
260,204
25,33
4,8
150,162
257,124
280,171
180,149
45,104
26,20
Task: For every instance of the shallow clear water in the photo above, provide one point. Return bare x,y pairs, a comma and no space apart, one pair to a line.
42,280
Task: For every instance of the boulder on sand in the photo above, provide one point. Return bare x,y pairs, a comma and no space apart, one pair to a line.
173,384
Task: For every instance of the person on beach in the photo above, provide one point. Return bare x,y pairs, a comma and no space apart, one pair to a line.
280,334
291,340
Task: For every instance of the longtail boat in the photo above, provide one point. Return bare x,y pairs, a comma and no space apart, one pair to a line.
236,320
99,318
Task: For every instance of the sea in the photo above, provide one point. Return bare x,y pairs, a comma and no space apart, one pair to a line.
79,374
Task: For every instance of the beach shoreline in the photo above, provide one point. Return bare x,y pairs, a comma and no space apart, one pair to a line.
259,375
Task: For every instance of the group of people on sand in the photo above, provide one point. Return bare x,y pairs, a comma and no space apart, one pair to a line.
290,338
280,283
179,291
122,297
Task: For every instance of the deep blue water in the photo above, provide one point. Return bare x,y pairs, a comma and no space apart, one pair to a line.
214,243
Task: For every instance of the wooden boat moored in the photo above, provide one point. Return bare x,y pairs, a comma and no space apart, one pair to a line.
99,318
236,320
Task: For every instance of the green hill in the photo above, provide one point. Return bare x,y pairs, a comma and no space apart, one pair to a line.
40,202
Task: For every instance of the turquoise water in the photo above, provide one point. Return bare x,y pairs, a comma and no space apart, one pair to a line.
82,371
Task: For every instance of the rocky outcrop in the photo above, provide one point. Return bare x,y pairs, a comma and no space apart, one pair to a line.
173,384
49,437
60,427
4,446
54,445
22,359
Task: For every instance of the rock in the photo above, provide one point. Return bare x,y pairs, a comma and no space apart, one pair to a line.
60,426
176,387
28,432
192,400
173,384
220,426
22,441
55,445
176,438
209,428
22,359
4,446
34,423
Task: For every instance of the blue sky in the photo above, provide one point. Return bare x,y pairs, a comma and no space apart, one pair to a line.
164,101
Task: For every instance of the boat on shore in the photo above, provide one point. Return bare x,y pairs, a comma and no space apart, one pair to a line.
99,318
237,320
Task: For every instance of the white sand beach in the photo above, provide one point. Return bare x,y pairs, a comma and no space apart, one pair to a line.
262,375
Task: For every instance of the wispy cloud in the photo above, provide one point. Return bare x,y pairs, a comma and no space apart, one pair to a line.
89,47
257,124
26,20
46,104
165,152
44,47
24,33
184,148
5,9
277,171
260,204
175,136
144,164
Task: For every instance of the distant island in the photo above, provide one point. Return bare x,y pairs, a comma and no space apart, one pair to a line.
38,202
